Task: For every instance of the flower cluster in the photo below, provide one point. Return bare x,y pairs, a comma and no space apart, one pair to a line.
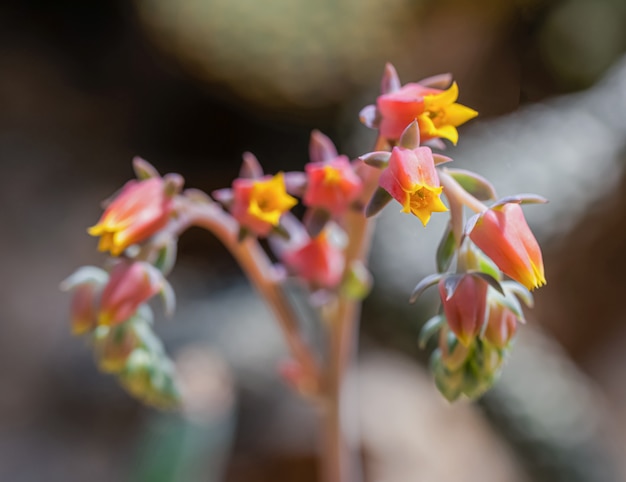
480,311
325,250
110,306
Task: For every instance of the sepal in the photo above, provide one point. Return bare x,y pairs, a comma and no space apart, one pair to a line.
378,201
474,184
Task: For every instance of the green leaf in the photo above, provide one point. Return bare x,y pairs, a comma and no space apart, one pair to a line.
410,138
430,328
476,185
427,282
445,250
377,159
379,200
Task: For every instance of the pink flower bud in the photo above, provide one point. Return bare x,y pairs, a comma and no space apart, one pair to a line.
332,185
131,283
318,262
411,178
466,307
501,324
84,308
140,210
503,234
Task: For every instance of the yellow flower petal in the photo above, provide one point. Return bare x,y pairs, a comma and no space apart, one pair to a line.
436,102
448,132
269,200
457,114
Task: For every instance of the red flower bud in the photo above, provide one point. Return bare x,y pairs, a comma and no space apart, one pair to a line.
501,324
140,210
466,307
84,308
318,262
131,283
503,234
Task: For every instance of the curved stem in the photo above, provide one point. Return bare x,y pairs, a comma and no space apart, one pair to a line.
457,198
259,270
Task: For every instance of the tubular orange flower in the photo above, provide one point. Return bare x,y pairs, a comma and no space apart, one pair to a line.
436,111
259,204
412,180
332,185
138,212
465,309
503,234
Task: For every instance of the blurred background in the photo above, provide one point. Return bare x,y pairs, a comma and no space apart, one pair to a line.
191,84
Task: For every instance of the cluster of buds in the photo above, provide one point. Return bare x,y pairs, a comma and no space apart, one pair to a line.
325,250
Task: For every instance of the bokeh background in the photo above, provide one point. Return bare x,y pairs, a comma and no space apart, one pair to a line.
190,85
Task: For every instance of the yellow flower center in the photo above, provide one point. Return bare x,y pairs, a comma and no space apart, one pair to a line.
424,201
269,199
332,175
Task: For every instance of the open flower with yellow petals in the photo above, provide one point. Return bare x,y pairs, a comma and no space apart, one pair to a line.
332,185
411,179
431,102
258,204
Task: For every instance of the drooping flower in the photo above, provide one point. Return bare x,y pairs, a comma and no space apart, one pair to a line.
331,185
465,308
502,233
131,283
140,210
435,110
412,180
319,262
258,204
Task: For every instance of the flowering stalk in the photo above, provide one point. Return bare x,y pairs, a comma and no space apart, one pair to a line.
327,253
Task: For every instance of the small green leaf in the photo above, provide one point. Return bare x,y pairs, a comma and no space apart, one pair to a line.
451,283
445,250
377,159
426,283
410,138
520,291
379,200
430,328
315,220
476,185
520,199
143,169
